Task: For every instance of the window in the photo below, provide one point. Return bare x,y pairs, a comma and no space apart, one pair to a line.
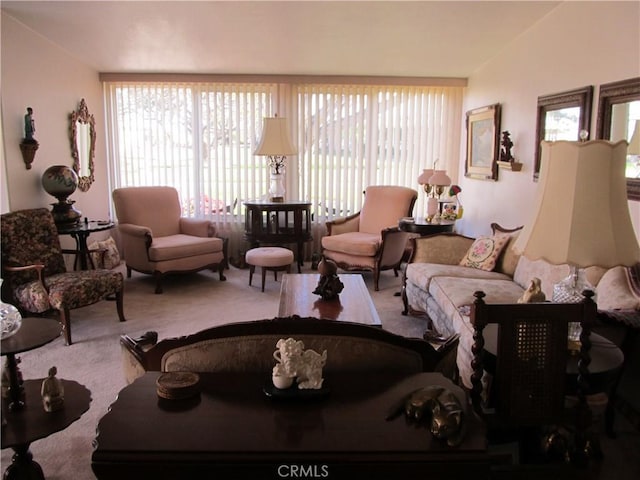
200,138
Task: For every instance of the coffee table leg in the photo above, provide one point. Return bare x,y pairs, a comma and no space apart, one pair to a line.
23,466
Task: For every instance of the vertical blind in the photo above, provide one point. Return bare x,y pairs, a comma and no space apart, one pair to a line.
200,138
353,136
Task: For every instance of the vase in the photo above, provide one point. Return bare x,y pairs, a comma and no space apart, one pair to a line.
276,187
11,319
61,181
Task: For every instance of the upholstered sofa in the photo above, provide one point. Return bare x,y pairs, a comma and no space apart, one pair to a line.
249,347
435,284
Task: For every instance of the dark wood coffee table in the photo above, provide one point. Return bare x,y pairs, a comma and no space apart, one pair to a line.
233,430
353,305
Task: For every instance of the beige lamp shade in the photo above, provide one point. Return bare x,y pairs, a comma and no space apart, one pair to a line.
275,138
634,143
581,212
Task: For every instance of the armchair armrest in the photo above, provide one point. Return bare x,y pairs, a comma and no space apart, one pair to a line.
197,227
394,244
442,248
134,230
38,267
344,224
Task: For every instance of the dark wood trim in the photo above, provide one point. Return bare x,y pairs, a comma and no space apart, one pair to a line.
580,97
610,94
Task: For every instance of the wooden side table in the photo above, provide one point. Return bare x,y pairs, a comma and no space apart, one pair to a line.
278,223
80,232
34,333
422,227
32,423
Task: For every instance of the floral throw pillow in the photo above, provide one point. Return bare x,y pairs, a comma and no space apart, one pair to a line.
484,252
111,256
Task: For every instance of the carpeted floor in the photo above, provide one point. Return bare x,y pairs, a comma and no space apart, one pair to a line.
191,303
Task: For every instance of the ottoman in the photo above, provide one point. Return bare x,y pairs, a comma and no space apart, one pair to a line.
269,258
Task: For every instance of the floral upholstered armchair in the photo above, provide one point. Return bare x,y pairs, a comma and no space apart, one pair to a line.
35,276
370,239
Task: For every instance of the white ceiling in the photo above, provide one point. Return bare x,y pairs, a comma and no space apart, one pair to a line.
394,38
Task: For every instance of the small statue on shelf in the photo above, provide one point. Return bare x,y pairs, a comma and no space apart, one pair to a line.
52,392
505,151
329,286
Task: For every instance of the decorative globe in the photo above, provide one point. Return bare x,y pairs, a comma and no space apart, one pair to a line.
60,181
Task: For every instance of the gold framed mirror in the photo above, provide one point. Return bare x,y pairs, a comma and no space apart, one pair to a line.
619,119
561,116
83,144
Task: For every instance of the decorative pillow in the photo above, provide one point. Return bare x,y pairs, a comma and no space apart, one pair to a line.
111,257
484,252
614,292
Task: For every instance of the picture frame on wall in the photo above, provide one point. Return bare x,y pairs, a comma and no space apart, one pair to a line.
483,139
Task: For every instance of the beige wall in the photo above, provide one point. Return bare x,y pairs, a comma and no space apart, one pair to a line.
577,44
37,74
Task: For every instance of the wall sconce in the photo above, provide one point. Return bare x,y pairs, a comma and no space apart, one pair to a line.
29,145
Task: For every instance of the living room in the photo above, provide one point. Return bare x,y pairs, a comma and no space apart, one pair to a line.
573,44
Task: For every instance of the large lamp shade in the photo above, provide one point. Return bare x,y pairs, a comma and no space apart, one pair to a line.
275,138
581,214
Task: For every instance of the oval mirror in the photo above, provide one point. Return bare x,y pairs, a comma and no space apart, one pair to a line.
83,143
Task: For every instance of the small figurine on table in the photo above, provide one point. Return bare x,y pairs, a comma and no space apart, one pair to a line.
329,286
52,392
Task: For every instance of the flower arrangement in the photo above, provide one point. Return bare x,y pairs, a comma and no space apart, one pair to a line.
276,162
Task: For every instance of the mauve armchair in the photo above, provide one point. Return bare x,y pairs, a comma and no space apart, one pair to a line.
157,240
370,240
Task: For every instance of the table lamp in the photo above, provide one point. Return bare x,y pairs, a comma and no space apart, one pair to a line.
438,181
581,217
276,145
423,180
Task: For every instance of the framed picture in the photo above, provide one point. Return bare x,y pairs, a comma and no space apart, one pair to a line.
483,137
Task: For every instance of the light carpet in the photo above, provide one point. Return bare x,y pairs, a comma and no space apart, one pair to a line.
189,303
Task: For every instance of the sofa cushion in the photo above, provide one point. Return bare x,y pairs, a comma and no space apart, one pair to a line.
182,246
353,243
421,274
484,252
452,293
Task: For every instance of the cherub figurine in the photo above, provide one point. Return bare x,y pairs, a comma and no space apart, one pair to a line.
52,392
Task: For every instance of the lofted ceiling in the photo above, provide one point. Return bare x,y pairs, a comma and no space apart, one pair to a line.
391,38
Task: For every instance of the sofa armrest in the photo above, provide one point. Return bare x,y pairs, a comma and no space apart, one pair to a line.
441,248
197,227
133,354
344,224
